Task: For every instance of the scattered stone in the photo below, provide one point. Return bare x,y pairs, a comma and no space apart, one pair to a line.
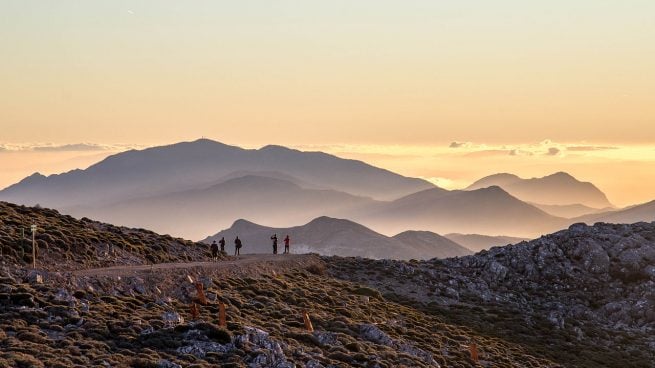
172,318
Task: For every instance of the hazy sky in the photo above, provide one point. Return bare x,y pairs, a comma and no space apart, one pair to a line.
294,72
413,74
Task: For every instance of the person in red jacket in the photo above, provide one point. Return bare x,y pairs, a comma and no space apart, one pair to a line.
286,244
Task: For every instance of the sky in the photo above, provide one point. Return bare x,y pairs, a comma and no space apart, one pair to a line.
391,82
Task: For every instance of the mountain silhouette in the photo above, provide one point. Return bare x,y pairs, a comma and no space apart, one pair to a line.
196,213
640,213
556,189
200,164
483,211
331,236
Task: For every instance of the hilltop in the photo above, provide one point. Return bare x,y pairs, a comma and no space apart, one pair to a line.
64,242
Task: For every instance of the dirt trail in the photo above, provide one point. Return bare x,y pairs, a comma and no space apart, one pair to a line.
246,262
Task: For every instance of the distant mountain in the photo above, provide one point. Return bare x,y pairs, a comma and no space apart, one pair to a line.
568,210
436,245
556,189
639,213
476,242
483,211
330,236
196,213
200,164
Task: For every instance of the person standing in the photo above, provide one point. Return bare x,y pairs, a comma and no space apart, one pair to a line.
222,244
286,244
214,248
237,246
274,239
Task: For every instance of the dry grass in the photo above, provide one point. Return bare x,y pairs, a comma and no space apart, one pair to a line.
68,243
128,331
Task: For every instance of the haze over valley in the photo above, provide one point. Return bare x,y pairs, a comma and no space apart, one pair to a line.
195,189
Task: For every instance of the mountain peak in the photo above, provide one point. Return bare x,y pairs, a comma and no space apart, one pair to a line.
560,188
34,177
562,176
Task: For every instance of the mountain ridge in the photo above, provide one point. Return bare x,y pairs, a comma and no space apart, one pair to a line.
332,236
559,188
189,165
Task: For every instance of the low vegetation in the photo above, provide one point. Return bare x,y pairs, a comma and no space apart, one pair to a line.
66,243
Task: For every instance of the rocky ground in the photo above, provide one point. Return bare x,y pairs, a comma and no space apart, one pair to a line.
145,320
582,297
578,298
65,243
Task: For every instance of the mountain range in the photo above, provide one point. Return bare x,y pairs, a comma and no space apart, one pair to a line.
486,211
638,213
193,189
201,164
330,236
557,189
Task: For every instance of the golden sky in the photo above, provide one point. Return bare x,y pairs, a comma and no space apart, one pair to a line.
411,74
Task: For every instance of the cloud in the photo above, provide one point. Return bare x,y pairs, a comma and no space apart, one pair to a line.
553,151
520,152
590,148
459,144
487,153
71,147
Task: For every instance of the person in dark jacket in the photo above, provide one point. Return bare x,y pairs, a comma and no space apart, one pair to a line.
286,244
237,246
214,248
222,244
274,239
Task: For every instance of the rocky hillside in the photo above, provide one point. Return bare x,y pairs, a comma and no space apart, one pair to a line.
145,319
477,242
583,296
129,315
64,242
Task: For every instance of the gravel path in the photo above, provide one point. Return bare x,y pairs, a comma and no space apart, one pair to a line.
241,263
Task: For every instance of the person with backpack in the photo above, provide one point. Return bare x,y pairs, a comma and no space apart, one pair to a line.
274,239
222,244
214,249
237,246
286,244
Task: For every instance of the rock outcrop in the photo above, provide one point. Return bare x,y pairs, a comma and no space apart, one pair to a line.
584,286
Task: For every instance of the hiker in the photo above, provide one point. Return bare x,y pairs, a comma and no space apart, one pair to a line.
222,244
286,244
214,248
237,246
274,239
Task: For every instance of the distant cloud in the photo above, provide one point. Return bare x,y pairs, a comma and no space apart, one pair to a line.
459,144
487,153
520,152
590,148
553,151
71,147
